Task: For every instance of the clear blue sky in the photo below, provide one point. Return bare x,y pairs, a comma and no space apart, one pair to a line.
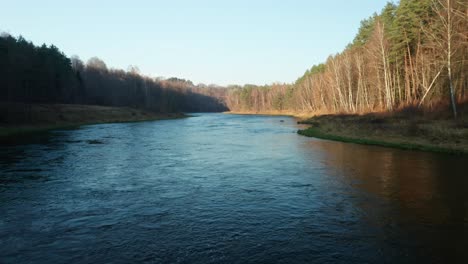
209,41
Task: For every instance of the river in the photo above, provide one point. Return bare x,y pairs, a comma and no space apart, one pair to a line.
218,188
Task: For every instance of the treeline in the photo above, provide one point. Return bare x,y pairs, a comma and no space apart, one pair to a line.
32,74
413,53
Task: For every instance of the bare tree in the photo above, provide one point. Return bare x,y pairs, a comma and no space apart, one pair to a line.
446,31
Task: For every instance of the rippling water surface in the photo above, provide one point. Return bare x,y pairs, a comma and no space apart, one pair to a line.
220,188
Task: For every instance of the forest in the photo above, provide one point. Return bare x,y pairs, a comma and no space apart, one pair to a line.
43,74
411,54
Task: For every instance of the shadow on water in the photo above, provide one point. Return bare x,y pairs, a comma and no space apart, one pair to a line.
41,137
18,155
424,196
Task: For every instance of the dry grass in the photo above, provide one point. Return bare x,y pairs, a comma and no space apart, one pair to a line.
430,128
18,118
300,115
408,128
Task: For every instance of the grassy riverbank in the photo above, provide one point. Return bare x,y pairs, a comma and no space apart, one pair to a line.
271,113
18,119
414,129
402,130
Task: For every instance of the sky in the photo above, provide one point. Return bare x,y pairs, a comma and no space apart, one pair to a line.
206,41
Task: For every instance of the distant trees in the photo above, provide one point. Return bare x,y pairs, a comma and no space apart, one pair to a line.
45,75
413,53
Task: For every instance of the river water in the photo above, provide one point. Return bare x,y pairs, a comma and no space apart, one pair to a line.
218,188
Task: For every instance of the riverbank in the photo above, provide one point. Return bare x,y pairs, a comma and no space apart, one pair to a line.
414,129
399,130
271,113
17,119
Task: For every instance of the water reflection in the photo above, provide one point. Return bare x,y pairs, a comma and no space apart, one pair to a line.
425,195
